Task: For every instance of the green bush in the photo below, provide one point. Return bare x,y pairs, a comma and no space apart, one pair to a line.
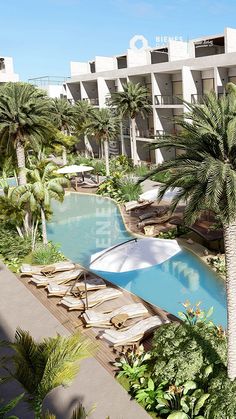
121,188
176,347
222,401
13,248
46,254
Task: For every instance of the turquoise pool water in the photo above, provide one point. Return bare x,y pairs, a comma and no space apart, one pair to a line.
86,224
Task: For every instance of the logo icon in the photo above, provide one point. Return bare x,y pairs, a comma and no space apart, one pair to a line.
138,39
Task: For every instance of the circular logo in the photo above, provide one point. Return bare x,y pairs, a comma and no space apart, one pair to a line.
137,39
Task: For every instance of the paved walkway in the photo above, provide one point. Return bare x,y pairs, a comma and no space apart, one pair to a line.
93,385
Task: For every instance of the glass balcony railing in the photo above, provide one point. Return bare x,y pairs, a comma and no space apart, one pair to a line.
168,100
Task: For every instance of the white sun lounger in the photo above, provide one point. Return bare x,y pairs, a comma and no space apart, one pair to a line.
28,270
97,297
58,278
132,205
98,319
57,290
134,333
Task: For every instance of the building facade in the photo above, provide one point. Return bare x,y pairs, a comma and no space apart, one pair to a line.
7,70
173,72
53,85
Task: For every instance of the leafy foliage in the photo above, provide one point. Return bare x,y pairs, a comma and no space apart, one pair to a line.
45,254
218,263
5,408
13,248
121,188
41,367
222,401
133,100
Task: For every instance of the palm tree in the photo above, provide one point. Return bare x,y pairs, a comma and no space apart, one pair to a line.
104,125
63,117
24,119
132,101
41,367
83,112
44,184
206,176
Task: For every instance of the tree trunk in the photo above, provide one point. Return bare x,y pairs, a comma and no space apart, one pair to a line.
134,144
230,258
88,147
64,155
20,155
106,151
44,230
123,151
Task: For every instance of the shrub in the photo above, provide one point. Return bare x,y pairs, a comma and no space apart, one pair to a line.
13,248
176,347
46,254
218,264
121,188
222,401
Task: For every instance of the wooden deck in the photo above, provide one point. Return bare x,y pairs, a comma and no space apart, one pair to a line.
71,321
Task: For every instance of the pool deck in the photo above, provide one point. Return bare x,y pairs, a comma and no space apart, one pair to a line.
22,304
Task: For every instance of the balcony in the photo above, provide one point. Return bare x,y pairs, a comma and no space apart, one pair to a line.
92,101
168,100
145,133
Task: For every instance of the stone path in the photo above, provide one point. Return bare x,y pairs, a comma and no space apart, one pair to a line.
93,385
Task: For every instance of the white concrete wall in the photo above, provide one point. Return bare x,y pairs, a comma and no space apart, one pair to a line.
104,63
77,68
230,40
138,57
178,50
8,74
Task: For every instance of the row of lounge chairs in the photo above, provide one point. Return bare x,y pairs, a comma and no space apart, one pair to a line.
79,296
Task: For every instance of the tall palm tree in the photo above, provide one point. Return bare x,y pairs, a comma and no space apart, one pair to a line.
63,114
83,112
206,176
41,367
134,100
104,125
44,184
24,118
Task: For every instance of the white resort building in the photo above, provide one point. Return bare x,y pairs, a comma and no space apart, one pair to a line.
172,72
53,85
7,70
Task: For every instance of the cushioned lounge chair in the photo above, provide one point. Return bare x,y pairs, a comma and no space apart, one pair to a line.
98,319
97,297
133,205
58,278
56,290
29,270
134,334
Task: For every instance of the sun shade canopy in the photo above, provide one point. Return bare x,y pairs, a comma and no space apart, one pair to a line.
134,254
75,169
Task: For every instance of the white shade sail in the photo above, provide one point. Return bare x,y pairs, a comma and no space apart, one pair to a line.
75,169
134,254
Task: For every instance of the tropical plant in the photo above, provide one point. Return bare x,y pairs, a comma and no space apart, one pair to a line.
83,113
24,119
222,402
132,364
183,352
63,113
129,189
206,176
13,248
149,394
194,314
44,184
132,101
41,367
5,408
104,126
45,254
218,263
119,187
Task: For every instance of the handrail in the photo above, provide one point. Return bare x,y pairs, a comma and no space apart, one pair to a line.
112,248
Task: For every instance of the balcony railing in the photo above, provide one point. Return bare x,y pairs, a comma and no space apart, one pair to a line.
92,101
197,98
147,133
168,100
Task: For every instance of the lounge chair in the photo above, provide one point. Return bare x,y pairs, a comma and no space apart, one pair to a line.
29,270
57,290
133,205
134,334
97,297
58,278
98,319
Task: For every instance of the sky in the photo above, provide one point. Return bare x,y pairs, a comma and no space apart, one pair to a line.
43,36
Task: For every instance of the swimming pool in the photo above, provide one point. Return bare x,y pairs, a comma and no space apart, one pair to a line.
85,224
